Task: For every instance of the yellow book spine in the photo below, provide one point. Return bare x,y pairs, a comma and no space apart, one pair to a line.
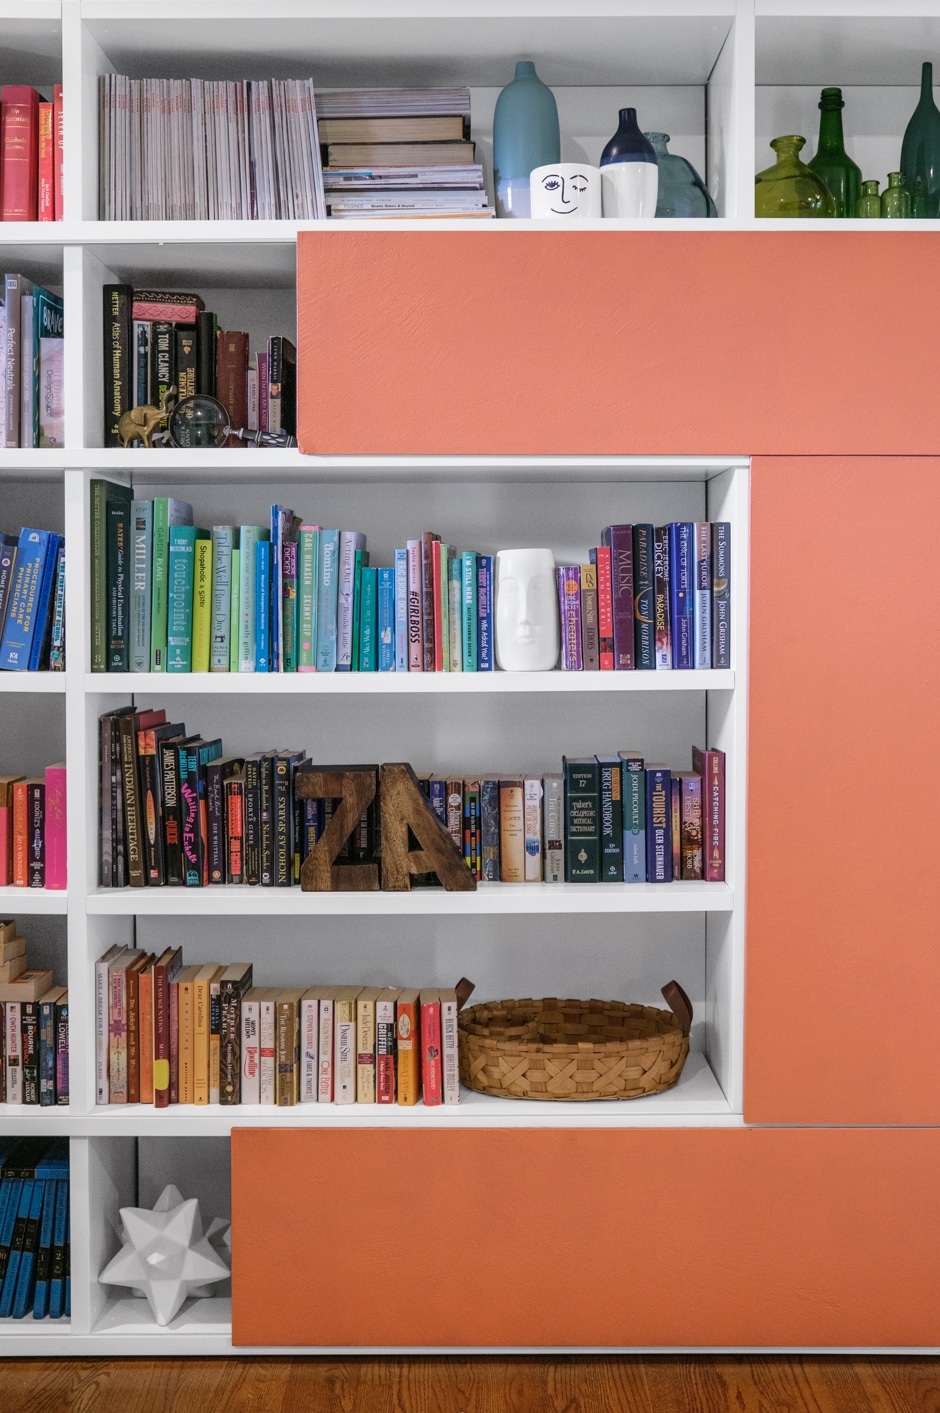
202,605
201,1042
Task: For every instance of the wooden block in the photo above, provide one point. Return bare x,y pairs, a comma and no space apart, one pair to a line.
7,929
354,786
14,947
15,967
404,807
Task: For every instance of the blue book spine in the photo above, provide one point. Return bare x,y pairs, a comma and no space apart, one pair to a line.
644,625
401,610
26,1279
44,604
60,1230
437,795
633,783
468,618
681,559
489,829
17,1240
368,621
68,1263
349,542
248,537
721,594
179,608
44,1254
386,619
12,1189
327,600
484,613
702,614
57,626
141,560
658,824
263,606
20,626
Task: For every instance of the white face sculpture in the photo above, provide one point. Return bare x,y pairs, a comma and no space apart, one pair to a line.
565,189
527,631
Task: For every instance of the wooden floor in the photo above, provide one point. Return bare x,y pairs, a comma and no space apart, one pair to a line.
528,1385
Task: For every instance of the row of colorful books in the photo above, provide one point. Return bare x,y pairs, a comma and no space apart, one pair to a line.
31,154
205,1034
155,340
32,330
35,1263
205,150
34,1047
33,835
175,811
32,601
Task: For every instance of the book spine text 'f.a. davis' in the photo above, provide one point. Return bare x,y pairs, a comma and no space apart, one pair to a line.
721,594
662,599
644,623
658,824
568,580
582,820
620,540
702,604
710,765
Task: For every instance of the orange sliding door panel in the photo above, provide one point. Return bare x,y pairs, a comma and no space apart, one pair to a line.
510,341
586,1237
843,914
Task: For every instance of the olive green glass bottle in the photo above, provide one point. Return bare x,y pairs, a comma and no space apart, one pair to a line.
832,162
896,199
869,203
789,188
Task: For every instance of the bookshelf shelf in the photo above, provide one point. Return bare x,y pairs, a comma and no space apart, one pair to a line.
43,682
31,900
406,684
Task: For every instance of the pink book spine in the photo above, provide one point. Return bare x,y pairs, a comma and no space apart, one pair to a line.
56,873
325,1068
59,157
415,630
117,1037
46,163
6,845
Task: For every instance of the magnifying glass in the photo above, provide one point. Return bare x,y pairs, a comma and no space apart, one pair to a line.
202,420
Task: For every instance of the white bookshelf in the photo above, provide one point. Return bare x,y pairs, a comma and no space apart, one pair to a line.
721,76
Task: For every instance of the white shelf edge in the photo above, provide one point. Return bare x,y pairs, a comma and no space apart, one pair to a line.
33,900
505,898
45,682
405,683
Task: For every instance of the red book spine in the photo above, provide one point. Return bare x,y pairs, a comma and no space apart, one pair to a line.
161,1037
710,765
231,379
20,834
605,610
46,163
6,845
19,146
436,584
431,1069
234,811
59,157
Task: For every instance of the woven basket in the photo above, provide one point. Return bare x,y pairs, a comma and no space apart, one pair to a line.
552,1049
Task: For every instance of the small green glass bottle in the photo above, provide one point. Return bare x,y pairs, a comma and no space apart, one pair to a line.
919,198
895,199
789,188
869,203
832,162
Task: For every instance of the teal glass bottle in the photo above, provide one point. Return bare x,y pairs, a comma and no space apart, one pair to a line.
920,149
525,136
869,203
832,162
681,190
896,199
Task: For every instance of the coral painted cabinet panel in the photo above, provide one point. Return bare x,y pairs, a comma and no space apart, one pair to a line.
590,1237
843,938
510,341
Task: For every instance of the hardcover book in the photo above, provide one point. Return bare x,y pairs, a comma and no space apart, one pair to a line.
431,1046
408,1026
658,824
512,831
582,820
600,557
385,1047
702,603
721,594
619,538
662,599
611,821
710,765
691,853
633,790
553,814
644,593
682,578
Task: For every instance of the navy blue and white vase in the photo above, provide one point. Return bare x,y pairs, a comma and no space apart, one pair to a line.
629,173
525,136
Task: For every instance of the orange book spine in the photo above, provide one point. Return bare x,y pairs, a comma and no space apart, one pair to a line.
20,834
46,163
145,1035
409,1052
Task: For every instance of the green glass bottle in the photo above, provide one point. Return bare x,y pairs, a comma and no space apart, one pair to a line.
920,149
896,199
919,198
789,188
832,162
869,203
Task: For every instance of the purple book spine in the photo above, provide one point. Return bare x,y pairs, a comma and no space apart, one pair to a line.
662,613
710,765
620,539
568,578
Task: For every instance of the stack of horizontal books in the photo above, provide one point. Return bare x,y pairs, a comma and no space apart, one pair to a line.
400,152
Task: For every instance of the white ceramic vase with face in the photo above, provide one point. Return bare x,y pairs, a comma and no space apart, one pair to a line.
527,631
565,190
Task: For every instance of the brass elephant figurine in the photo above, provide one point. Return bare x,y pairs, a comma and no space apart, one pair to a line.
141,422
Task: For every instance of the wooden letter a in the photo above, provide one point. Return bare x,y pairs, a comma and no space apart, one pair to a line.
403,807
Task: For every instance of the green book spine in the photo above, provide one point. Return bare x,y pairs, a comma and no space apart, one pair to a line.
249,537
202,603
141,557
307,597
368,647
233,614
179,630
582,821
222,543
166,513
119,529
101,493
361,560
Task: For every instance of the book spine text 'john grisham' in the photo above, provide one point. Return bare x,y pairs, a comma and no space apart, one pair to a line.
721,594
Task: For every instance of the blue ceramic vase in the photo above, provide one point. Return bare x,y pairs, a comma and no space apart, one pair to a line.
681,190
629,173
525,136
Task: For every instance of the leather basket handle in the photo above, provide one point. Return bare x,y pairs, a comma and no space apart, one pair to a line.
680,1005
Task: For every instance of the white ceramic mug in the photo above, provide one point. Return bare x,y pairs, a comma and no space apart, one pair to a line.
561,189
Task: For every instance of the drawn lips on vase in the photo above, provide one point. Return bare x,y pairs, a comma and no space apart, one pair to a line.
578,184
